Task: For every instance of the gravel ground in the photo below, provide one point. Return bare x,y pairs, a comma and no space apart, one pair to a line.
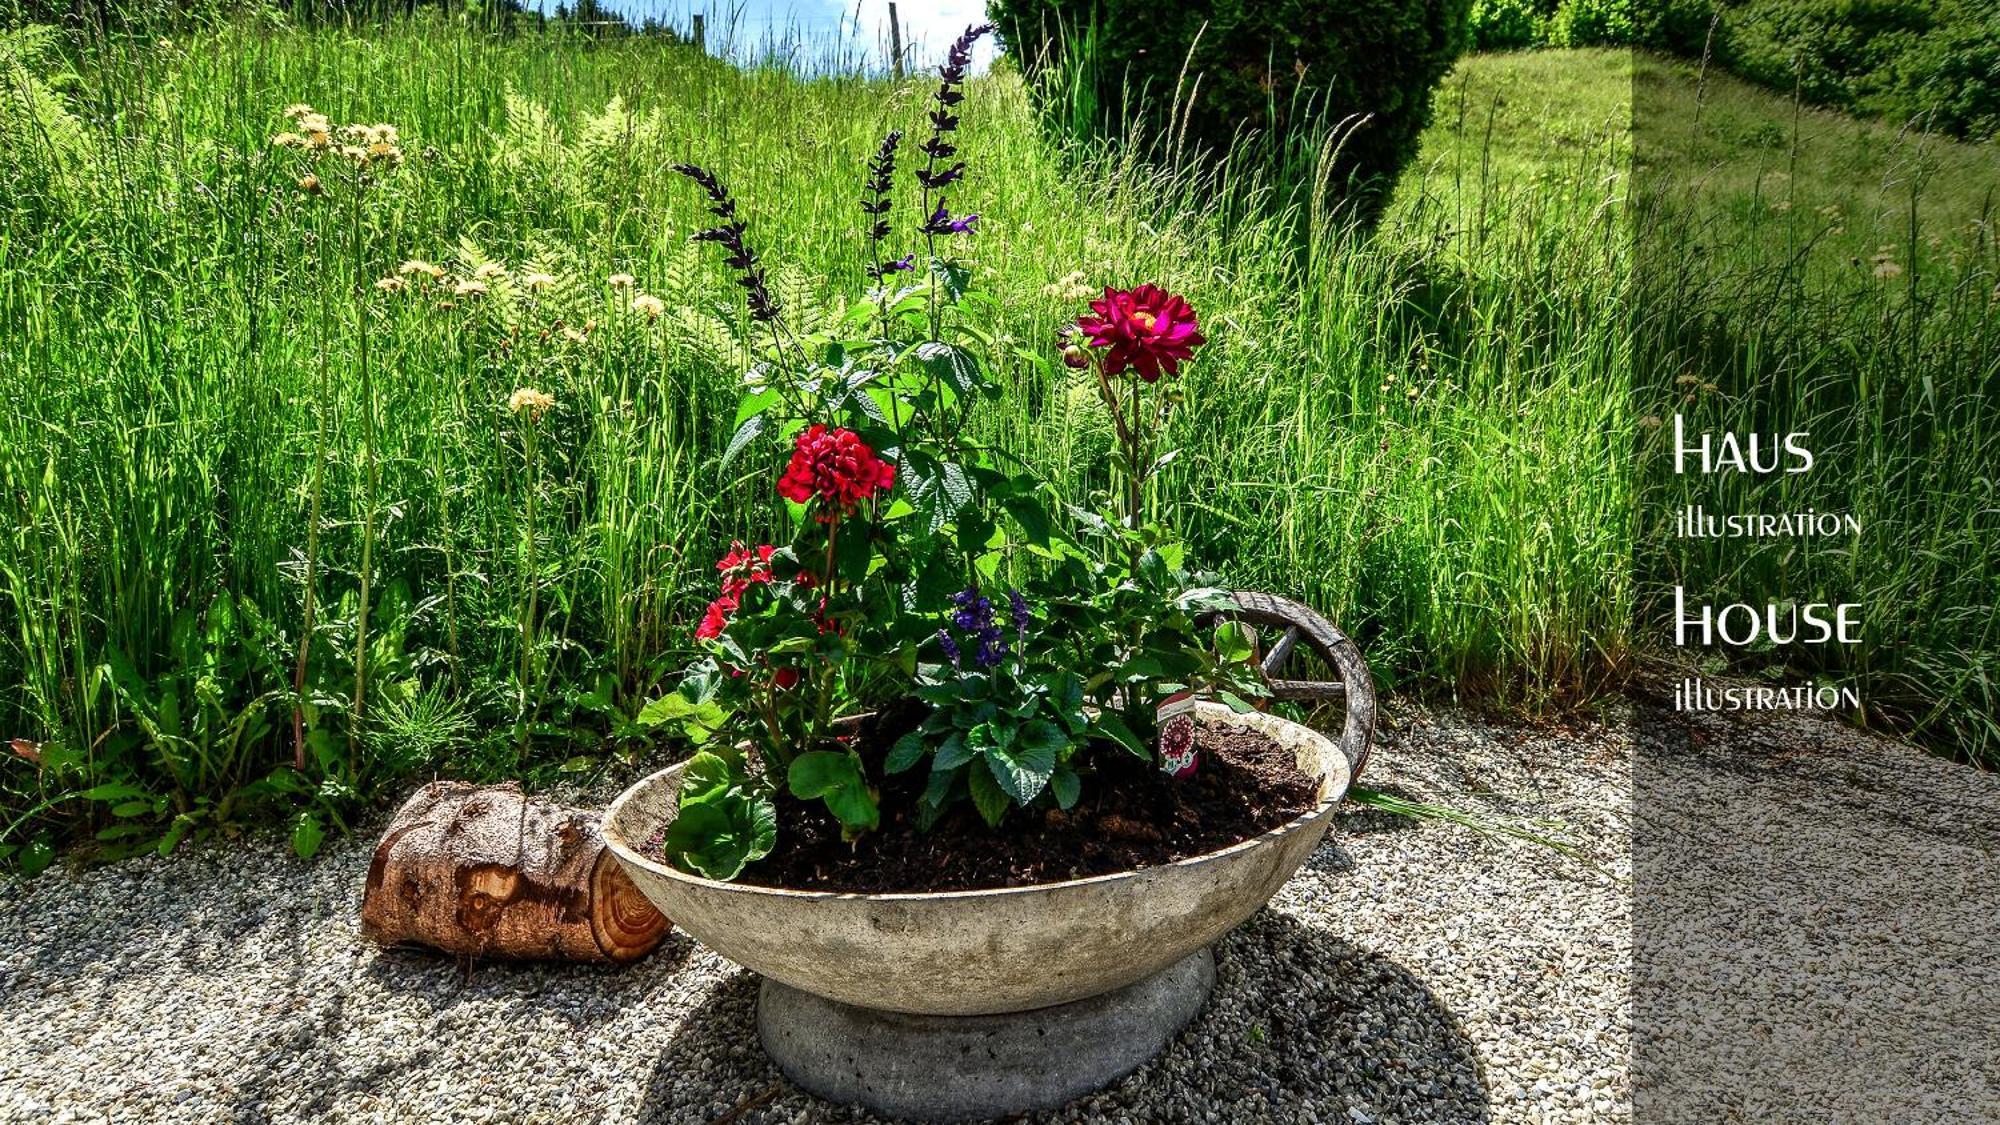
1413,971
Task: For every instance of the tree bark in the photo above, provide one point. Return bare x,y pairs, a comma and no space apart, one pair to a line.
488,872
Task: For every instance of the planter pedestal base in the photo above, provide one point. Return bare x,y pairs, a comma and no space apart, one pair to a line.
962,1068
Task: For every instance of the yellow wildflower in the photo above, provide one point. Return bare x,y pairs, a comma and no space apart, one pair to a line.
309,182
533,403
418,265
287,140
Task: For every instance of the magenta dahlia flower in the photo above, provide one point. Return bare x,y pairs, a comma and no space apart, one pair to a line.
1146,329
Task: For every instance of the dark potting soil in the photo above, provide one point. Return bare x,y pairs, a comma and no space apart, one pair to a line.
1131,815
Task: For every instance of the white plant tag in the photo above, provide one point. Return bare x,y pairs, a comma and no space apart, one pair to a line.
1175,722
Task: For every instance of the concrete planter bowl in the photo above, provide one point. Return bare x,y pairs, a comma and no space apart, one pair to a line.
987,952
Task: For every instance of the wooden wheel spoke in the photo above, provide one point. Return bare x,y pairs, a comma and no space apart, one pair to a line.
1275,659
1347,681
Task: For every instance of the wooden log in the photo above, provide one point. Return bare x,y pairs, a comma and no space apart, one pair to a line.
484,871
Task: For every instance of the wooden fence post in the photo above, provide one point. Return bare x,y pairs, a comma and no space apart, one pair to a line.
895,45
701,33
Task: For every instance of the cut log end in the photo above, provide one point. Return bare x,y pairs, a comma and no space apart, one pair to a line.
489,872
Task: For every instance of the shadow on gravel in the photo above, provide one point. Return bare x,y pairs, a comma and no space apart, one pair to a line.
1302,1026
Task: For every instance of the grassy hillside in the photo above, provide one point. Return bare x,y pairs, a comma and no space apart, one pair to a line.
213,412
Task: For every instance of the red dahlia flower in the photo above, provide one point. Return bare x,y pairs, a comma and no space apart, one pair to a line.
1147,329
836,466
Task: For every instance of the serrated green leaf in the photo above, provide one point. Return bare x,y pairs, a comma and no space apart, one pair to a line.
950,364
1112,727
907,752
744,435
1022,770
988,797
953,752
1066,785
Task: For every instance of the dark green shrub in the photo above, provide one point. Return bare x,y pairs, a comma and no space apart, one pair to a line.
1683,27
1831,52
1593,23
1951,80
1213,72
1505,25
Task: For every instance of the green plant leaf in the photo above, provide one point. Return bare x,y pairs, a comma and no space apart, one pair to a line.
112,791
1066,785
744,435
951,364
1023,770
1033,517
36,856
987,796
953,752
718,839
705,777
907,752
1112,727
307,835
1232,642
836,779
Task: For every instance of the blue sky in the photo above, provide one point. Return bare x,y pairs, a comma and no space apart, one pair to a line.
928,25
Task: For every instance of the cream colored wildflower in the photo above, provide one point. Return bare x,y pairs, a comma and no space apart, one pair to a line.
622,281
309,182
392,284
650,305
418,265
538,280
1887,271
531,402
487,271
297,110
574,336
287,140
470,287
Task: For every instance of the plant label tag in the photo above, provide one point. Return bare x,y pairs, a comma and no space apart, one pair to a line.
1175,721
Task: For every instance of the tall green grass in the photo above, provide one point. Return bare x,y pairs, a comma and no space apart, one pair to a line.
1799,271
1427,433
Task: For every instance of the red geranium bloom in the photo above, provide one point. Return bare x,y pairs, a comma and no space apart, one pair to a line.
717,618
740,567
1147,329
836,466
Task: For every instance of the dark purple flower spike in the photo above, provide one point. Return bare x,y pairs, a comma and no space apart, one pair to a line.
729,235
938,148
881,173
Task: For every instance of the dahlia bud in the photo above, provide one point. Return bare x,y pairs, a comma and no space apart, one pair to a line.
1076,357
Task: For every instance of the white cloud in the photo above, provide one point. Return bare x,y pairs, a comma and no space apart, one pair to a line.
929,26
